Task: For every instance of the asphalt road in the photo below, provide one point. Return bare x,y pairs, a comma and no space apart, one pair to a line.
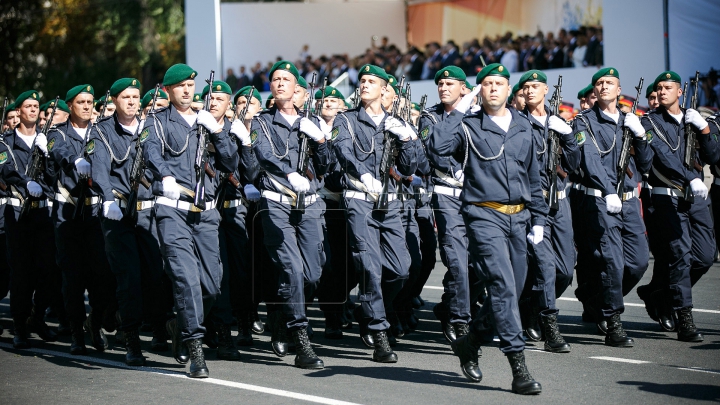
658,370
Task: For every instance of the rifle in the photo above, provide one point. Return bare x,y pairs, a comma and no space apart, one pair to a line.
387,162
691,139
627,138
479,99
137,170
202,155
408,104
423,102
356,98
86,183
34,169
224,178
322,97
553,160
304,151
2,121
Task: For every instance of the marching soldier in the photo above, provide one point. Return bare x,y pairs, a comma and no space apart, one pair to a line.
377,239
587,97
503,208
517,98
161,102
188,233
652,97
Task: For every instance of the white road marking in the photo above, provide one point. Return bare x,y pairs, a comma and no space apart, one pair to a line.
177,374
632,304
701,370
620,360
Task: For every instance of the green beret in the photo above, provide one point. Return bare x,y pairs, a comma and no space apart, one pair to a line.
245,90
147,98
373,70
43,106
608,71
101,102
666,76
649,90
121,84
178,73
330,92
584,92
197,98
287,66
515,89
30,94
416,107
493,69
532,76
393,82
468,85
450,72
62,106
83,88
218,87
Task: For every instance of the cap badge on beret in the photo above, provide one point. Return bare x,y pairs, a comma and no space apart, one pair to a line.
34,95
109,99
446,73
88,88
332,92
218,87
612,71
500,68
192,75
667,75
367,68
287,66
534,75
134,82
52,103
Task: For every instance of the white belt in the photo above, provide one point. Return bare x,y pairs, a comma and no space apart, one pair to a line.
359,195
560,194
598,193
329,195
183,205
578,187
3,200
646,185
141,205
283,199
667,191
235,203
15,202
33,204
88,201
453,192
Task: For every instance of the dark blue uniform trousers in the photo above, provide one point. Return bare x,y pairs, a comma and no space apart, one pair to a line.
402,302
380,255
338,276
190,248
498,249
294,241
428,247
454,255
237,286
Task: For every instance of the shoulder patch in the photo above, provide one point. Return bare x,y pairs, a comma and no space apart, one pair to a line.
50,145
334,133
144,134
90,148
424,133
253,137
649,136
580,138
3,157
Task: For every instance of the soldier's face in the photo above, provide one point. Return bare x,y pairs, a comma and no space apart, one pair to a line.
668,93
607,89
29,111
414,115
331,106
127,102
110,109
161,102
283,85
372,88
653,101
252,110
12,119
518,102
534,93
181,94
388,98
494,91
81,106
450,90
300,96
219,104
60,117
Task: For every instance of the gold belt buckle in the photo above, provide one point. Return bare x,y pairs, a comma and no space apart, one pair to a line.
514,209
193,208
88,201
34,204
226,204
138,205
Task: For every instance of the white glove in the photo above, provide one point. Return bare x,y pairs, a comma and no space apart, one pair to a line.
112,211
398,128
536,234
698,188
558,125
372,185
475,108
326,129
41,142
208,121
83,167
170,188
460,176
298,182
632,122
613,203
310,129
238,129
467,100
34,189
693,117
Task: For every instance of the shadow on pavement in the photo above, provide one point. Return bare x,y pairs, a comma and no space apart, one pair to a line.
687,391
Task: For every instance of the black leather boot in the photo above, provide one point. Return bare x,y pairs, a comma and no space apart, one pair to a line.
97,336
278,340
686,329
530,314
179,349
664,311
383,353
133,354
21,340
257,325
616,335
226,347
440,312
333,326
523,382
467,349
644,292
365,335
36,324
159,337
554,342
77,347
210,339
245,330
461,329
305,356
198,368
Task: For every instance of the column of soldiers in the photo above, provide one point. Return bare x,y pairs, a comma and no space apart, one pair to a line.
179,214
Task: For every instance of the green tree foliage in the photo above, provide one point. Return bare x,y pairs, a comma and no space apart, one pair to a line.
52,45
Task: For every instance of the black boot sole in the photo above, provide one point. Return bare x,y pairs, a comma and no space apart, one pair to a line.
619,344
178,358
392,358
532,389
202,373
135,362
691,339
562,349
318,365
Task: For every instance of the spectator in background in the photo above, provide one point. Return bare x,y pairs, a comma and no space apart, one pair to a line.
231,80
432,61
243,80
510,57
556,57
593,43
578,54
